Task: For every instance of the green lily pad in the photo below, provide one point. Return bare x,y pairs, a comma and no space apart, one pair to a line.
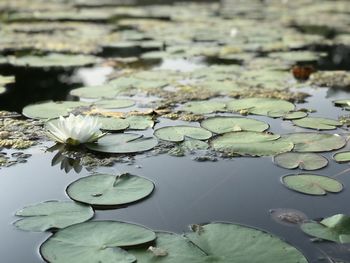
260,106
295,115
113,124
296,56
204,107
115,104
92,242
342,157
123,143
52,214
317,123
97,92
179,133
226,242
189,145
4,80
51,109
344,103
251,143
221,125
335,228
312,184
140,122
315,142
111,190
169,248
53,60
305,161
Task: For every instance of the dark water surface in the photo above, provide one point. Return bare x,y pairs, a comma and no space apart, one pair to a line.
241,190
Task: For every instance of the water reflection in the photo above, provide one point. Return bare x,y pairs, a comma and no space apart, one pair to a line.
67,159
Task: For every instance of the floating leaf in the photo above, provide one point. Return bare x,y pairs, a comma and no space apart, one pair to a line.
221,125
179,133
317,123
123,143
106,189
312,184
295,115
251,143
342,157
51,109
177,248
296,56
344,103
93,242
305,161
261,106
204,107
335,228
115,104
113,124
52,214
226,242
315,142
140,122
53,60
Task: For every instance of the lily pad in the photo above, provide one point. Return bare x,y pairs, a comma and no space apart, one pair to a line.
53,60
51,109
221,125
335,228
52,214
295,115
204,107
251,143
305,161
179,133
175,248
344,103
111,190
92,242
140,122
342,157
260,106
225,242
113,124
315,142
115,104
312,184
317,123
123,143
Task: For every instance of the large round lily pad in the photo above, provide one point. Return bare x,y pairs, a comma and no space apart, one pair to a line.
93,242
113,124
251,143
315,142
179,133
342,157
312,184
123,143
305,161
220,243
204,107
317,123
227,242
221,125
115,104
52,214
111,190
51,109
335,228
261,106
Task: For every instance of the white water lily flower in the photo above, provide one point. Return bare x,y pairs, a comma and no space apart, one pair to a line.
75,130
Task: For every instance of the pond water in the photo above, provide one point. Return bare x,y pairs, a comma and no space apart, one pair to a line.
241,190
